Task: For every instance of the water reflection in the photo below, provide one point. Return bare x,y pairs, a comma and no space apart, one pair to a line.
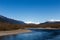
35,35
39,36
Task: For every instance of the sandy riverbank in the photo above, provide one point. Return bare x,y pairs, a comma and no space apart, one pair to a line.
3,33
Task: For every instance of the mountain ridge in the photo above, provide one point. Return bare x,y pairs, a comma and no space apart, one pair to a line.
9,20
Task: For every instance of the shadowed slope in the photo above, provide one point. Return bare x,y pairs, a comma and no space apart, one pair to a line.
8,20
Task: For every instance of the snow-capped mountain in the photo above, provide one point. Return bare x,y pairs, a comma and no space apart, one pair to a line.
54,20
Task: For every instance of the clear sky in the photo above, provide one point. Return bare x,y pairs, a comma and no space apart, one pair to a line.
31,10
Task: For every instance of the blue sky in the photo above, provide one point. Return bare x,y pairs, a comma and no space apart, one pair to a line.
31,10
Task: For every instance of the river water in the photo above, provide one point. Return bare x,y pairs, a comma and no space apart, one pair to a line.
36,34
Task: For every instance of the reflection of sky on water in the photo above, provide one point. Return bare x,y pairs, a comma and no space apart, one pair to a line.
40,36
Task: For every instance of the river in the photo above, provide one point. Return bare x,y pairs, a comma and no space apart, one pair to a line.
36,34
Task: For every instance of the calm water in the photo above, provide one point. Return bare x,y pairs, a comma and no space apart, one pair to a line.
36,34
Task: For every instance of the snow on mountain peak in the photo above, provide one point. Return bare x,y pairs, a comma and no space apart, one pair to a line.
54,20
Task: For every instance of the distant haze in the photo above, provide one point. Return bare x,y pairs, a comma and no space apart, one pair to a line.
28,22
52,20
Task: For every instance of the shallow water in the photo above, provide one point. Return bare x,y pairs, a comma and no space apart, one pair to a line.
35,35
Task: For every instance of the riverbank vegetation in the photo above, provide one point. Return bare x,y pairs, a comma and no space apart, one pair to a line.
8,26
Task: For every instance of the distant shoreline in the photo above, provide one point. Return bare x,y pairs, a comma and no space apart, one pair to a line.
46,28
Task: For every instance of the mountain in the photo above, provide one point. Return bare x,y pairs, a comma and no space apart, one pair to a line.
8,20
50,24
